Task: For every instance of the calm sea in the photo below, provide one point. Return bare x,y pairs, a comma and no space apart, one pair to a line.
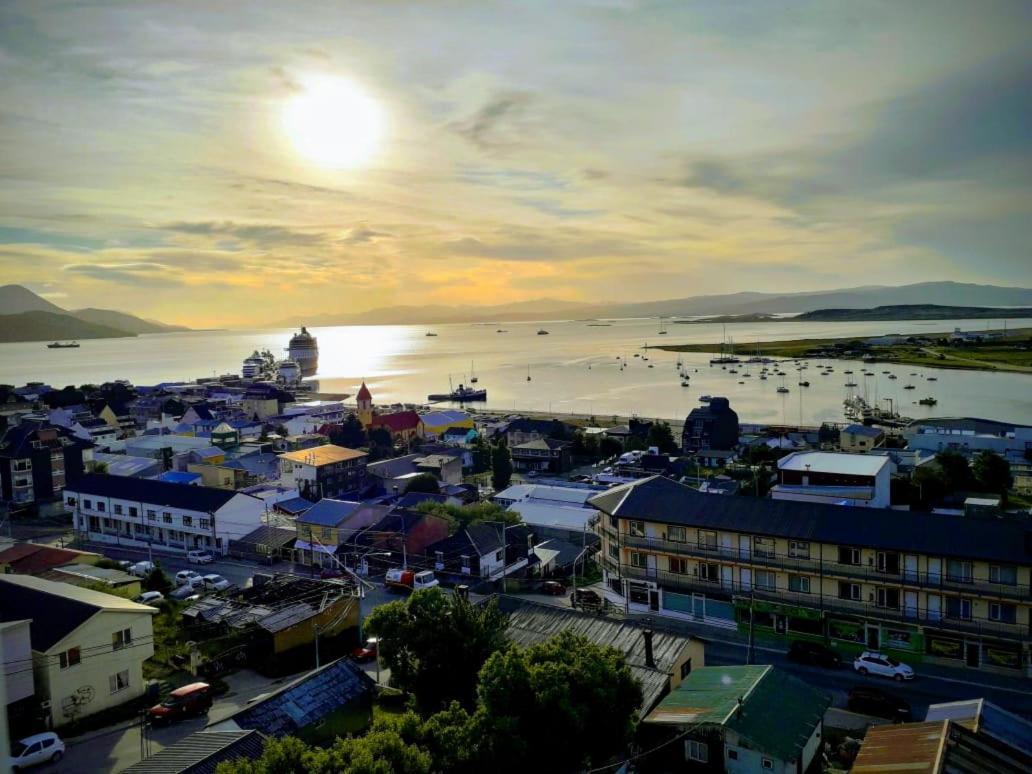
573,369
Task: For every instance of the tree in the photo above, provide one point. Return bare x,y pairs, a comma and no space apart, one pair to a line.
424,482
662,438
349,433
381,443
992,472
501,467
461,516
569,696
156,580
635,443
609,447
956,473
930,484
435,643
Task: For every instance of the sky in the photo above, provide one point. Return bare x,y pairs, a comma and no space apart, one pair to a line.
592,151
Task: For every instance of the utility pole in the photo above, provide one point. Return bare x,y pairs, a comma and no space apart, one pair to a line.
752,639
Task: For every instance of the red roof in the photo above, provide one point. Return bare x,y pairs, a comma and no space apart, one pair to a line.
32,558
364,394
397,422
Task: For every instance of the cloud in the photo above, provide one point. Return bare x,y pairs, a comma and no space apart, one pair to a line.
487,127
262,234
362,234
138,274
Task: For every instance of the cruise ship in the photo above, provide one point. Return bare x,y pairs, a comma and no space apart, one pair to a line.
304,350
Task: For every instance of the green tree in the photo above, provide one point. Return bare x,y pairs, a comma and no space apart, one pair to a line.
481,451
501,467
956,473
424,482
435,643
349,433
461,516
569,696
930,484
156,580
662,438
992,473
635,443
381,443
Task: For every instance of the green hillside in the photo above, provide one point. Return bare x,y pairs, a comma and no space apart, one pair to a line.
49,326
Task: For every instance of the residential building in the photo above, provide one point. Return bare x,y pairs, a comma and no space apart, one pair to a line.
836,478
391,474
268,543
660,660
323,528
34,558
19,687
300,442
860,438
915,585
201,753
172,450
563,510
125,465
325,471
402,532
335,700
545,455
967,435
434,424
88,648
445,468
743,719
715,458
711,426
525,430
91,576
170,517
37,460
477,551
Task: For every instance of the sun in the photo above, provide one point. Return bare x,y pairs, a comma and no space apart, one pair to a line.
333,123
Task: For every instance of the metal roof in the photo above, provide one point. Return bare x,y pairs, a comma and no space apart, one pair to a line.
910,748
833,462
663,500
328,513
201,753
775,712
323,455
986,718
144,490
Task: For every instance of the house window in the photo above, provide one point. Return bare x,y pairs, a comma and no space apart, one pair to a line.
847,555
1006,574
100,506
686,668
958,607
614,522
678,566
439,557
798,549
707,540
677,534
767,763
133,511
696,751
166,517
638,560
122,639
614,551
71,501
119,681
764,547
799,584
204,523
888,598
958,571
117,509
1003,612
732,754
188,521
69,658
87,504
636,528
151,515
498,554
326,533
766,580
849,591
465,562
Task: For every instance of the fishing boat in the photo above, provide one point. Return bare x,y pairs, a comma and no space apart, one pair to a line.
850,384
705,398
59,345
893,376
929,401
500,330
461,394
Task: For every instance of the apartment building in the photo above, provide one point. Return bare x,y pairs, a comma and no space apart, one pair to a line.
36,460
917,586
835,478
325,471
167,516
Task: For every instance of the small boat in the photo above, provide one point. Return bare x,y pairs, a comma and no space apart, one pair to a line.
763,376
782,389
542,332
473,378
501,331
804,384
740,382
928,401
528,373
847,372
705,398
430,333
909,387
933,378
850,384
686,383
59,345
893,376
651,366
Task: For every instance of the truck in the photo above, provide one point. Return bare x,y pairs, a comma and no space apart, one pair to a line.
408,580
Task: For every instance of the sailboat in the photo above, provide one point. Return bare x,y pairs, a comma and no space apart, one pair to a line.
472,374
662,327
528,373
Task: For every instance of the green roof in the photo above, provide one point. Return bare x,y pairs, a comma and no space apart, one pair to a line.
778,712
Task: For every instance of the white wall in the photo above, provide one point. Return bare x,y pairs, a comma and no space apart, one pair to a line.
17,654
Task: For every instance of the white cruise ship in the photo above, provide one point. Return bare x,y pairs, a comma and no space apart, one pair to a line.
304,350
253,366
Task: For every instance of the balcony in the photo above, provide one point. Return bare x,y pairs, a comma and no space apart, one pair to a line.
742,555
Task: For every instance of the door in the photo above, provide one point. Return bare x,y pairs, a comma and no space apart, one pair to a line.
910,604
650,561
725,577
971,654
653,599
934,607
934,570
910,568
746,576
873,638
744,547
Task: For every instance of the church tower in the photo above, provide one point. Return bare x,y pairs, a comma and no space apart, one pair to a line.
365,406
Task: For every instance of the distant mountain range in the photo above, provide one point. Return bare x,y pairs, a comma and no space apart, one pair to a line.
24,316
925,293
878,313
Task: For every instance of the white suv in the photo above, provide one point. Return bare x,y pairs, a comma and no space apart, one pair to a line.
200,557
189,578
870,662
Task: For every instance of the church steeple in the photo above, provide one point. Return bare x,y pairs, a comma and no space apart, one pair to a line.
365,405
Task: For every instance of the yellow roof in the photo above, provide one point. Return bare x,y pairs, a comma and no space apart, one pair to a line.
323,455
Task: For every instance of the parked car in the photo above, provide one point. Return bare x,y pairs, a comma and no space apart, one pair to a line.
814,653
585,598
870,662
869,700
555,588
200,557
189,578
366,651
186,702
216,583
140,569
187,593
125,564
38,748
149,597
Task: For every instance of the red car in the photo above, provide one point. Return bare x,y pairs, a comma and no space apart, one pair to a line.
367,651
555,588
186,702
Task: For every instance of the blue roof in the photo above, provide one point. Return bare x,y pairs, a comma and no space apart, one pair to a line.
179,477
329,513
871,432
306,701
294,505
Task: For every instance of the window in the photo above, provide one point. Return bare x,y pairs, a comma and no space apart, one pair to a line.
887,562
117,509
638,559
614,551
69,658
100,506
636,528
119,682
732,754
1003,573
766,580
678,566
696,751
70,501
888,598
1003,612
204,523
798,549
707,540
686,668
614,522
709,572
677,534
958,571
151,515
847,555
799,584
133,511
898,638
764,547
87,504
958,607
188,521
439,558
767,763
849,590
499,554
166,517
122,639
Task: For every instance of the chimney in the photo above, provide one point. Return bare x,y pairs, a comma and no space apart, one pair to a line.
650,660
